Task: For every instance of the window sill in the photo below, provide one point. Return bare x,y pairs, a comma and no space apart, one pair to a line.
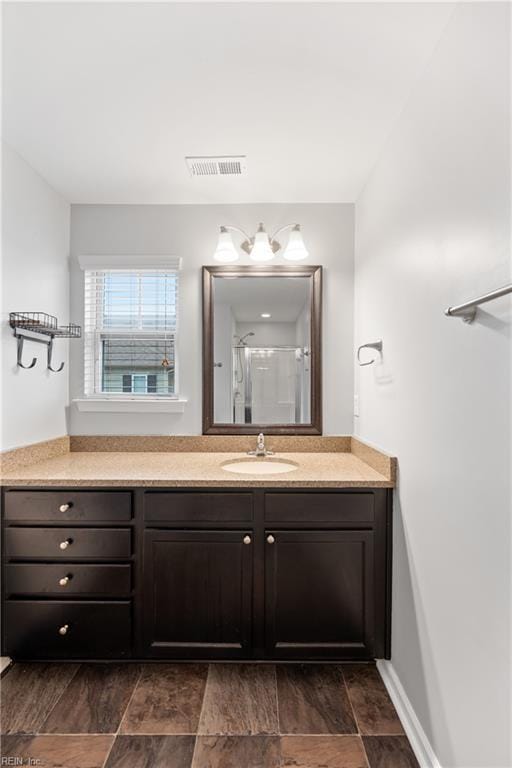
127,405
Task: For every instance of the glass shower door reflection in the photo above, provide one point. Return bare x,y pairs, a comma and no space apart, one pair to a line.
269,385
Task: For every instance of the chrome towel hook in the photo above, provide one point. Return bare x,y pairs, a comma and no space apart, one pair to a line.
49,358
20,340
377,345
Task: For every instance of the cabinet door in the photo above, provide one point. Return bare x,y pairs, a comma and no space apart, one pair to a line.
197,593
319,592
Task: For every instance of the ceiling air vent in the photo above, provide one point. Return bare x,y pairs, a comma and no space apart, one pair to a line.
230,165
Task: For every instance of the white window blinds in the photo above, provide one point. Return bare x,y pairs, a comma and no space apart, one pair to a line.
130,332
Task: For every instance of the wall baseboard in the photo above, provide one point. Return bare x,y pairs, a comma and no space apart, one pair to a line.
5,663
417,737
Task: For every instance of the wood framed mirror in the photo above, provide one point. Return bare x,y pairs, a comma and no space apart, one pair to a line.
262,353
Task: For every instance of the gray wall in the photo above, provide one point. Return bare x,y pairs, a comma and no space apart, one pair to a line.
433,229
190,232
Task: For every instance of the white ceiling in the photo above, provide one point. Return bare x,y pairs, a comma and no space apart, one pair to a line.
283,298
105,99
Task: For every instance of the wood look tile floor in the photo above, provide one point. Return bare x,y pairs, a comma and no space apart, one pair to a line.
200,716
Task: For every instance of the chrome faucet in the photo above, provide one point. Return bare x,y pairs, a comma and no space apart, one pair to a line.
260,448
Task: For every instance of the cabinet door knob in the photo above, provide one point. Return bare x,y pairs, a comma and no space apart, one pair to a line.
64,581
65,507
270,539
247,539
65,544
64,629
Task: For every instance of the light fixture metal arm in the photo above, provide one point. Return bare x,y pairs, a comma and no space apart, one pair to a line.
281,229
225,228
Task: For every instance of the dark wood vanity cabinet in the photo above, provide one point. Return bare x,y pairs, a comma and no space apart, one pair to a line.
197,574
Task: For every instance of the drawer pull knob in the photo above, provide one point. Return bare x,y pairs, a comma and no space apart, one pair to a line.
64,581
65,507
247,539
65,544
270,539
64,629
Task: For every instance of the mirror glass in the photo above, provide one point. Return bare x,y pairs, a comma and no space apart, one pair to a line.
261,350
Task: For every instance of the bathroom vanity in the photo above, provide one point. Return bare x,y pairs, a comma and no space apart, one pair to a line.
212,553
235,572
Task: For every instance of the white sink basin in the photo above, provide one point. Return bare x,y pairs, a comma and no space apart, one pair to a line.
259,466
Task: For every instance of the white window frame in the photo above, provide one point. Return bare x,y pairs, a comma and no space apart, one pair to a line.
95,399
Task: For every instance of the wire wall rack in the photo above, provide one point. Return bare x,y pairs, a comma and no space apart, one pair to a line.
42,329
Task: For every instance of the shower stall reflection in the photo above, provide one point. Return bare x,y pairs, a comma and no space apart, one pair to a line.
270,384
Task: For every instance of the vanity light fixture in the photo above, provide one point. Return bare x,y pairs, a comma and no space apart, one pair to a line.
295,250
265,315
226,250
261,247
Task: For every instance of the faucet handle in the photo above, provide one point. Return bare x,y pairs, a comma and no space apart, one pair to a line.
260,448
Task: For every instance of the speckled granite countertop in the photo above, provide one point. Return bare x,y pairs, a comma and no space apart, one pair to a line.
197,470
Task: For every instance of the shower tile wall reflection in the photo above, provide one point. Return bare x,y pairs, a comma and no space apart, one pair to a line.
262,330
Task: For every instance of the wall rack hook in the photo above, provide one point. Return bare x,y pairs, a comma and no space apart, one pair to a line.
49,358
377,345
21,339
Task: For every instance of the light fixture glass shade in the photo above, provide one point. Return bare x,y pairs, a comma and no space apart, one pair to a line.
226,250
295,250
261,250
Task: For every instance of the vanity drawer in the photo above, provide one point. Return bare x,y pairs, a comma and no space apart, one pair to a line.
91,629
198,507
68,543
67,579
314,507
68,506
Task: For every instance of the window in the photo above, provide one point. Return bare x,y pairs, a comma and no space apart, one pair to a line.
140,382
130,332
